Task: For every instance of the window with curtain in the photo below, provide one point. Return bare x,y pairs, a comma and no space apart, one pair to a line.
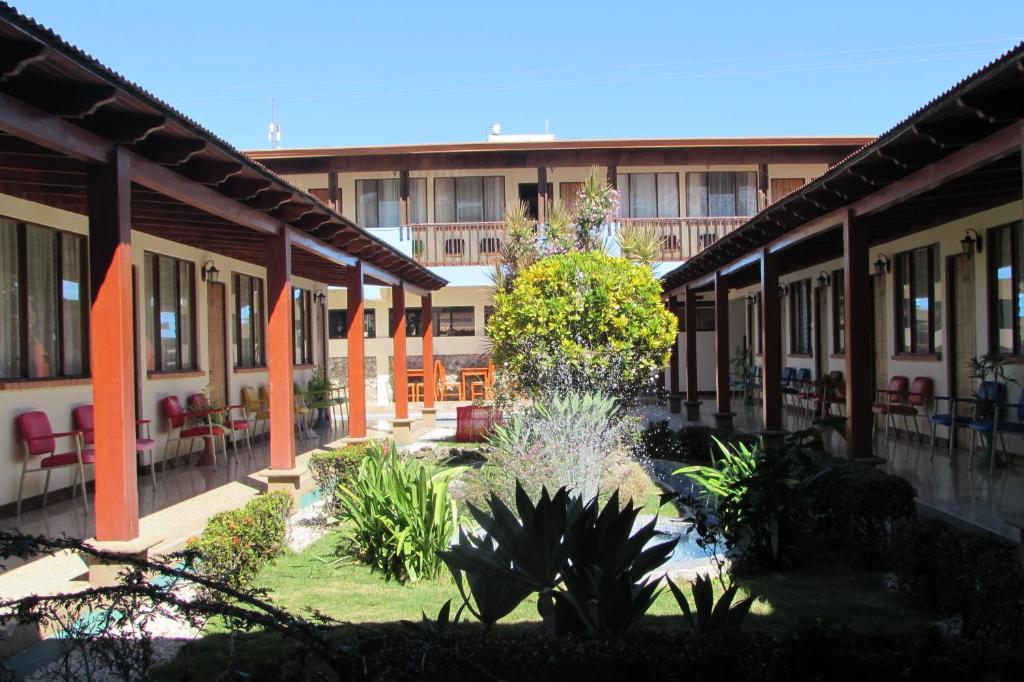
249,321
378,202
1006,288
170,313
918,302
302,326
448,321
838,312
721,194
800,317
42,302
648,195
754,325
469,199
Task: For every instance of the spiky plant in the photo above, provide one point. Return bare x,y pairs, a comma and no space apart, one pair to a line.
640,243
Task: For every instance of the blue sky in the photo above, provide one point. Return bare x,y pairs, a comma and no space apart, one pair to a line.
398,72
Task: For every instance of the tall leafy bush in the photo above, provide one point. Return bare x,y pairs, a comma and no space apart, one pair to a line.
399,513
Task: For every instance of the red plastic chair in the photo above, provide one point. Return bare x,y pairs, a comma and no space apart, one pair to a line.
38,440
179,428
85,422
918,399
887,398
230,424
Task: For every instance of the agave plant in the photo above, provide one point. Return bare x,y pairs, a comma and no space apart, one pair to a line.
585,563
707,617
639,243
400,513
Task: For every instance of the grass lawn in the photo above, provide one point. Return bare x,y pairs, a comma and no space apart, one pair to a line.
823,593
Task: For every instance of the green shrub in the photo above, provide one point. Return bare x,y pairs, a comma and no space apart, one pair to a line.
399,513
329,468
858,506
952,572
236,544
587,321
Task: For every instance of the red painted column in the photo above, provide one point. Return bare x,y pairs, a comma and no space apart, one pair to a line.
112,348
771,341
858,370
691,345
722,344
400,363
427,320
280,352
673,360
356,361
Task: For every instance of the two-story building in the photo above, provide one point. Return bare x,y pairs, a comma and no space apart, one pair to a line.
444,204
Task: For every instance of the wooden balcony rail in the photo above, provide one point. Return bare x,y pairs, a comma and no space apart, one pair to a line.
439,244
682,238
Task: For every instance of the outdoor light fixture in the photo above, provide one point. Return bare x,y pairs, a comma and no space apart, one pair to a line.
751,298
882,265
209,272
320,297
970,242
823,279
783,290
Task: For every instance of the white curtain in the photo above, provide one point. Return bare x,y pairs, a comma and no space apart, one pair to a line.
746,193
366,203
697,195
469,197
185,288
417,200
643,196
668,195
73,303
243,294
721,194
388,203
444,200
168,289
623,187
42,301
494,198
10,330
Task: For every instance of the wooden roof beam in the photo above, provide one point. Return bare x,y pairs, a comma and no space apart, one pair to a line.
311,221
170,151
211,172
124,127
61,98
293,209
243,187
269,199
15,55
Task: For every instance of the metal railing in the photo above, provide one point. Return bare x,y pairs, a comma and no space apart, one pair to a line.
440,244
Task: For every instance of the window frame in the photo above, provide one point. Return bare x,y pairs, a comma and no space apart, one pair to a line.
155,330
685,198
257,362
23,340
898,267
1016,229
753,314
800,292
302,329
483,198
626,205
838,296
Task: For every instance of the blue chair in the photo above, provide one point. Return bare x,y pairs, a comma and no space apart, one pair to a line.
952,419
804,385
788,383
998,425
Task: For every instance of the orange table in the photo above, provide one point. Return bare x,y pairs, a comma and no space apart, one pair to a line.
414,374
468,373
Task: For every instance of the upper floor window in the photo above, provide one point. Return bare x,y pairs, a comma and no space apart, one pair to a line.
469,199
1006,288
249,347
800,317
721,193
302,325
838,312
917,301
378,202
448,321
337,323
170,313
42,302
649,195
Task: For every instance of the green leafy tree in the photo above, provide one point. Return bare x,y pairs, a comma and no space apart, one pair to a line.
584,321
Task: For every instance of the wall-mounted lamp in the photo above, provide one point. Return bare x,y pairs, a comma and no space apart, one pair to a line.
882,265
971,242
209,272
320,297
751,299
783,290
823,279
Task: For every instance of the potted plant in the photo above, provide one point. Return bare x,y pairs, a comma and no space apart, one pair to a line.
318,393
743,369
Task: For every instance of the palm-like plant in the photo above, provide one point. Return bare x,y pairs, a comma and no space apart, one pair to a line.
639,243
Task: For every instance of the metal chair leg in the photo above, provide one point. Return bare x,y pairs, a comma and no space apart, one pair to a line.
46,488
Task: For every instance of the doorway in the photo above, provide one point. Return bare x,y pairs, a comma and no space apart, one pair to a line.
528,195
962,339
217,340
880,334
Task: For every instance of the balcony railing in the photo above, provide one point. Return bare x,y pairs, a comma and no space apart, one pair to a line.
440,244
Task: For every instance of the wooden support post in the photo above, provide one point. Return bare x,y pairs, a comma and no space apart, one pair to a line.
280,359
723,415
112,349
403,198
427,321
356,361
332,191
673,361
400,363
542,194
692,403
771,342
857,274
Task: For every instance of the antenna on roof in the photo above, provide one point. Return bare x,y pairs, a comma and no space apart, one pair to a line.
274,132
